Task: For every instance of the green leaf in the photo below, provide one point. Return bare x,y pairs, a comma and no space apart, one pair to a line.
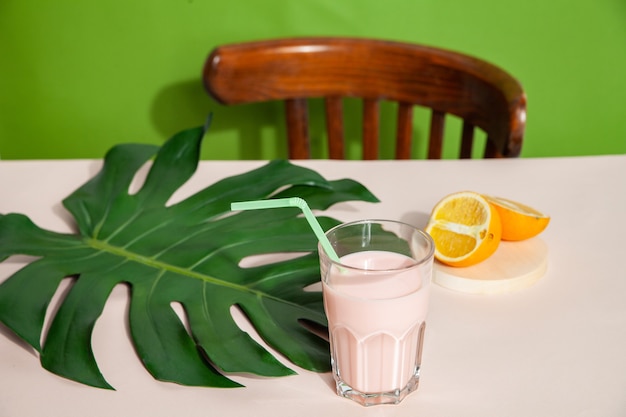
188,253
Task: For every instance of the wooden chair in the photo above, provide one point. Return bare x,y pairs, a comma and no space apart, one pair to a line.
293,70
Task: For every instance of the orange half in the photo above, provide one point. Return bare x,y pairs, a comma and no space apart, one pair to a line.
519,221
466,229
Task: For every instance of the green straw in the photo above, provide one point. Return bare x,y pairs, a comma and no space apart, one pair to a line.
291,202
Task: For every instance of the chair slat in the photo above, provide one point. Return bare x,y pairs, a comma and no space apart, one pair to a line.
491,151
334,127
371,128
435,143
467,140
296,113
404,133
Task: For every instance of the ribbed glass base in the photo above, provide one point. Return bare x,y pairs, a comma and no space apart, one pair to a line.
368,399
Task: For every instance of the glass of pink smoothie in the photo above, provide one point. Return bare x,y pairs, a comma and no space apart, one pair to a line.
376,300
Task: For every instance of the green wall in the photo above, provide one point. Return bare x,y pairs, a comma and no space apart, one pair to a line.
78,77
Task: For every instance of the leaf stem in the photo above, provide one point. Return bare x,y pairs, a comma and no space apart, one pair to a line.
153,263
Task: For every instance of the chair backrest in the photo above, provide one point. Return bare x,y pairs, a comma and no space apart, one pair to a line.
295,69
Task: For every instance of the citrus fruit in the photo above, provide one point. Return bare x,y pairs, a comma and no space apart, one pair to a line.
519,222
465,227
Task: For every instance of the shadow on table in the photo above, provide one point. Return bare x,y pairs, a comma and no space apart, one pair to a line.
416,218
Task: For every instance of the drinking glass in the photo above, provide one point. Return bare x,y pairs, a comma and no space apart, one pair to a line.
376,300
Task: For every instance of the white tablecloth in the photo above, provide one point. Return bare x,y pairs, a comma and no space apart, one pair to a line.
557,348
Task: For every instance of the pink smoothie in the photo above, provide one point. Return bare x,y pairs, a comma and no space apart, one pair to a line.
374,319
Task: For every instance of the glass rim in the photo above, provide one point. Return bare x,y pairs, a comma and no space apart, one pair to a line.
416,262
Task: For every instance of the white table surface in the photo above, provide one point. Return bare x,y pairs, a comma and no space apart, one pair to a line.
557,348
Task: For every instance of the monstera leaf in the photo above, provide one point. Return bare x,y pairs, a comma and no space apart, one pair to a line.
189,253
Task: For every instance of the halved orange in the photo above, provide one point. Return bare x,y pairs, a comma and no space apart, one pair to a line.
519,221
465,227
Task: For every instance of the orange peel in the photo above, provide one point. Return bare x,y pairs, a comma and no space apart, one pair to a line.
519,221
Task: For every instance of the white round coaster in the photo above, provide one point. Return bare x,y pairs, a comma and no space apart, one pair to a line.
514,265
